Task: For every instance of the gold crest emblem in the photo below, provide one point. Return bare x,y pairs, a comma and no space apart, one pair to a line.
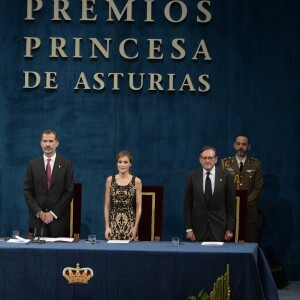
77,275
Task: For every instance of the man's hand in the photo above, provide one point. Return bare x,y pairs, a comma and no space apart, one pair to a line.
46,217
190,235
228,235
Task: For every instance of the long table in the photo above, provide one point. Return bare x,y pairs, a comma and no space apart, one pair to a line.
137,270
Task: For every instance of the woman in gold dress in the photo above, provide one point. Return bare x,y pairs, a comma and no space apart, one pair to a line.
123,201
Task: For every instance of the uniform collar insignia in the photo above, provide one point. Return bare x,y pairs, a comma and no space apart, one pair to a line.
229,169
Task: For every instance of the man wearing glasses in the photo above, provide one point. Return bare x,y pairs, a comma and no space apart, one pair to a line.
209,204
248,175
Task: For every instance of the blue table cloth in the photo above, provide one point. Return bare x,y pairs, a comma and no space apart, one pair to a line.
137,270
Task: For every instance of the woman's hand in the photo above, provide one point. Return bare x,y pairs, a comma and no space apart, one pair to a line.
132,233
108,234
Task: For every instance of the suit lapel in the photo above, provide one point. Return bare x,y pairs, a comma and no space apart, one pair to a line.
200,180
56,167
247,161
42,171
217,180
198,184
236,167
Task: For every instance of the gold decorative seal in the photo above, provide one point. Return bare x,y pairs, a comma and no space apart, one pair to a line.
77,275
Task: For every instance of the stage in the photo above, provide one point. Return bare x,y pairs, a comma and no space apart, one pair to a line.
137,270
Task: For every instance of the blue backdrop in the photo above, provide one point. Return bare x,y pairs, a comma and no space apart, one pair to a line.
249,63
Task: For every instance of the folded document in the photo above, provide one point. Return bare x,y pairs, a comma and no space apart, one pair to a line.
212,243
118,241
18,239
59,239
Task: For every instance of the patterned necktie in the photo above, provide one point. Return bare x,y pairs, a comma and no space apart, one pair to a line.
208,189
48,172
241,166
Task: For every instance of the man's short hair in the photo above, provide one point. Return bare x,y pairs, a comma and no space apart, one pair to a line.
208,148
49,131
244,135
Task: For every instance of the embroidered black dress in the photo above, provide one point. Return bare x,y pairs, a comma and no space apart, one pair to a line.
122,212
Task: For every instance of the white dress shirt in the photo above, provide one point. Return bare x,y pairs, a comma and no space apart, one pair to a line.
52,161
212,176
239,161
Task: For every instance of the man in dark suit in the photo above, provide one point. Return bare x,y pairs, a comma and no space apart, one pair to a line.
247,173
209,205
48,190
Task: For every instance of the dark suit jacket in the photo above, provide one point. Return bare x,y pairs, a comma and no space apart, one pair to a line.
56,199
219,215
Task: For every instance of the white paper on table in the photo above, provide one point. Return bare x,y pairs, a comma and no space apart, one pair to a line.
212,243
118,241
18,239
59,239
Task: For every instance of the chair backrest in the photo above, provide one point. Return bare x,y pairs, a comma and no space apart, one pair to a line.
75,211
241,215
151,223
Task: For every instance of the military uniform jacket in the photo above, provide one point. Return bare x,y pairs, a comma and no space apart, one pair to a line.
250,179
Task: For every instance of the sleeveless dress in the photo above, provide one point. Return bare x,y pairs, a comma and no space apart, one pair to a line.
122,212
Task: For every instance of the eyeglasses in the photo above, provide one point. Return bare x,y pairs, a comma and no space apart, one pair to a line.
207,157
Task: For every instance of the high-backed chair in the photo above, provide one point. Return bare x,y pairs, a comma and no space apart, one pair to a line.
75,211
241,218
241,215
151,223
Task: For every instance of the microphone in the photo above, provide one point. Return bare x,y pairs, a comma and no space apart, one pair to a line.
35,229
42,229
38,240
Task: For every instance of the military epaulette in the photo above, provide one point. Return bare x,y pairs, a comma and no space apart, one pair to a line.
253,158
227,158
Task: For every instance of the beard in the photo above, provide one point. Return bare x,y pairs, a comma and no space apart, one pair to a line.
241,152
48,150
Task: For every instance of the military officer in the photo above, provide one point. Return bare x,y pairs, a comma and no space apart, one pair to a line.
247,174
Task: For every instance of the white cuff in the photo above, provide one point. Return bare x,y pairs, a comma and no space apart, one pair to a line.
53,214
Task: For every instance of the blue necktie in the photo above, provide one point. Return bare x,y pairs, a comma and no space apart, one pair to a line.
208,189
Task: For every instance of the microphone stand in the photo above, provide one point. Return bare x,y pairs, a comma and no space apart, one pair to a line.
38,240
